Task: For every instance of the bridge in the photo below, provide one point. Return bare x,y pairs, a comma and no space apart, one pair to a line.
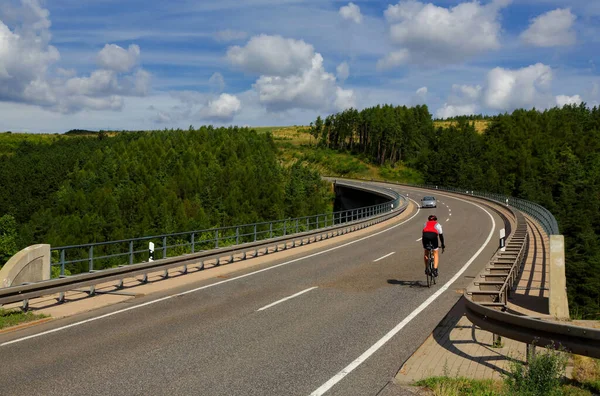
332,304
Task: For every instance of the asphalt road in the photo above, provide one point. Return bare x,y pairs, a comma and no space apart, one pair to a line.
230,339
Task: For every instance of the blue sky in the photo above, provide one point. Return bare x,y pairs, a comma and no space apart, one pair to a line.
107,64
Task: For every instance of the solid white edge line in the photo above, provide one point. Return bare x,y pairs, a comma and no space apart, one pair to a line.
348,369
381,258
212,284
287,298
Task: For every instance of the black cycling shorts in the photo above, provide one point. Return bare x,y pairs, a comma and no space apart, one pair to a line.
430,238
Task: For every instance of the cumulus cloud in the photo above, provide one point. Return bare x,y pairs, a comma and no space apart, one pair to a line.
463,100
448,110
343,71
468,92
292,75
216,82
272,55
27,73
562,100
230,35
351,12
393,59
113,57
429,34
506,90
551,29
526,87
222,109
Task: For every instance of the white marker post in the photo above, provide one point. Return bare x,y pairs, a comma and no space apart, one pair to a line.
151,252
502,240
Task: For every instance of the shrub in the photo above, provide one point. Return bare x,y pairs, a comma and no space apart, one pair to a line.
542,376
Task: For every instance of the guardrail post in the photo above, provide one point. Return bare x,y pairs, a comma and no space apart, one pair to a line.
308,224
91,258
62,262
317,222
130,252
216,239
296,228
284,227
164,246
193,242
237,235
254,232
270,230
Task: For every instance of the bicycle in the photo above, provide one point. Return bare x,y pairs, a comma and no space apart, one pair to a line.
431,278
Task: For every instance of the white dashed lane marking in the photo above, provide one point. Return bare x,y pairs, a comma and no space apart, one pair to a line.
381,258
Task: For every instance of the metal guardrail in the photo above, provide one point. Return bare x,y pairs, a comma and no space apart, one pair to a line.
485,308
351,220
101,255
542,215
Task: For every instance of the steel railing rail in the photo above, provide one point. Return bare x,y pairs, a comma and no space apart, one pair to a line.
485,308
542,215
349,221
100,255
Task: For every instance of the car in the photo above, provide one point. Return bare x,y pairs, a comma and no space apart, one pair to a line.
428,202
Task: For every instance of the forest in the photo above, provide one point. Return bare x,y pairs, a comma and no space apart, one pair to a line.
66,190
551,157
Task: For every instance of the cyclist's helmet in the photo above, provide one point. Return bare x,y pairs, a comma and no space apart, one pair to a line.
432,218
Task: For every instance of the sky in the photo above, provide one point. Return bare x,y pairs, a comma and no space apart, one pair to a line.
133,65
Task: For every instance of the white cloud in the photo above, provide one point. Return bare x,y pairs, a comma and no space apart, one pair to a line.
230,35
422,91
562,100
393,59
429,34
343,71
27,58
292,75
510,89
469,92
25,54
344,99
551,29
223,109
272,55
449,110
113,57
351,12
462,101
217,82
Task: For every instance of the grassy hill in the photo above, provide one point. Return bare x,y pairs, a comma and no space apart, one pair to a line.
296,144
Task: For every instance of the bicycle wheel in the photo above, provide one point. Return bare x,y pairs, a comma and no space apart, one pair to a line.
430,278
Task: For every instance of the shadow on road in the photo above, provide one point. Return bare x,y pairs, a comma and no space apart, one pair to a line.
407,283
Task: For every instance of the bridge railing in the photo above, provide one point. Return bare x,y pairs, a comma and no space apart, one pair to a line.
488,312
542,215
91,257
343,222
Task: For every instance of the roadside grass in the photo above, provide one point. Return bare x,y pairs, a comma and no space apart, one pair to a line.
543,376
448,386
13,317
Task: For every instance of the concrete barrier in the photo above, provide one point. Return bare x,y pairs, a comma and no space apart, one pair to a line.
31,264
559,304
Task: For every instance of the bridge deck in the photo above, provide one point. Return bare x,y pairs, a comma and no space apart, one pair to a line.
459,348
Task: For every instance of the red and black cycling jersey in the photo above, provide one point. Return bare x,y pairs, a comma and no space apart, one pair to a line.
431,231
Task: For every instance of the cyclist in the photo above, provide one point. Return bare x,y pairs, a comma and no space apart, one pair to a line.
431,231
